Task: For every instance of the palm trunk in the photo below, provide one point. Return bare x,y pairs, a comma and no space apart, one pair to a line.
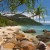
39,18
44,20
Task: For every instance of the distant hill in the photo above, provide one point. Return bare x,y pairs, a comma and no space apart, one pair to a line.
4,21
23,20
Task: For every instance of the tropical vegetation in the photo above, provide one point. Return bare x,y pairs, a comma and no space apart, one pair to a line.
30,7
4,21
14,21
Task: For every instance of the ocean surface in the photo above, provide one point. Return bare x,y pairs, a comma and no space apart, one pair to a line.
38,29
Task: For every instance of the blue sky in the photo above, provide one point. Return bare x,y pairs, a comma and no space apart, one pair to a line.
45,3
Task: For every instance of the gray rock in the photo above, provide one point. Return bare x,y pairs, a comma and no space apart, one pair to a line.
30,31
43,38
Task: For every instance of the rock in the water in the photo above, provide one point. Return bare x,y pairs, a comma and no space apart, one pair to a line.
46,31
30,31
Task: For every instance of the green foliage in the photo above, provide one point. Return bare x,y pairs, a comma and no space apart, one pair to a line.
16,20
13,4
23,20
40,11
4,21
12,7
30,7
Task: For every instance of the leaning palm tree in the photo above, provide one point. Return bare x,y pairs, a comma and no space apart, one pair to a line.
40,12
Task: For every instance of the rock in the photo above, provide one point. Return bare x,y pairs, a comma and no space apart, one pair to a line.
42,38
48,43
30,31
47,34
46,31
27,45
41,46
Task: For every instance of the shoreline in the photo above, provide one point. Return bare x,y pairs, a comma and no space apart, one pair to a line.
9,30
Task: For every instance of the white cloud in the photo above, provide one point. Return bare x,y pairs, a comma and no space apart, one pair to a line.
27,14
45,21
37,17
9,14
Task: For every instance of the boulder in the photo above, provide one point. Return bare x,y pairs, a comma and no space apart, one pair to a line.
47,34
27,45
43,38
30,31
48,43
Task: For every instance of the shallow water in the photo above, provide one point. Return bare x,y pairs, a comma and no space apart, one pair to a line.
38,29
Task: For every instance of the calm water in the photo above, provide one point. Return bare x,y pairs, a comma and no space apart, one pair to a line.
38,29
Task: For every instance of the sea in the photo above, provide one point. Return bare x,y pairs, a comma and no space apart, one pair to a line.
38,29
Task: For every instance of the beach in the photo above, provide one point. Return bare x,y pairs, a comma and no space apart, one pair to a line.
8,31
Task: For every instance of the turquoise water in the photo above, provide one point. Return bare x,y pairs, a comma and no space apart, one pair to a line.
38,29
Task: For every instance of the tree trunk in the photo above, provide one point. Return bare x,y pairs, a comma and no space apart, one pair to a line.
39,18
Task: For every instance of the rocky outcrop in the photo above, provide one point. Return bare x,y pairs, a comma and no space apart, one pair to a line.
47,33
30,31
43,38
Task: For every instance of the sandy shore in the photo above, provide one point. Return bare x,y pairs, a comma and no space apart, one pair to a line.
12,29
9,30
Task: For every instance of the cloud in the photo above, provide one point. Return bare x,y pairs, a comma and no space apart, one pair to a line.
45,21
27,14
36,18
9,14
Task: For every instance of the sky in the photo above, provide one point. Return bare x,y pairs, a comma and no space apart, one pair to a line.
45,3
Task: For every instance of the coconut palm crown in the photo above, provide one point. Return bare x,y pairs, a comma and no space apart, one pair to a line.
40,12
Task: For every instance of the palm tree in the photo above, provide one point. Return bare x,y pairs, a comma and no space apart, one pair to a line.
40,12
13,4
29,4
